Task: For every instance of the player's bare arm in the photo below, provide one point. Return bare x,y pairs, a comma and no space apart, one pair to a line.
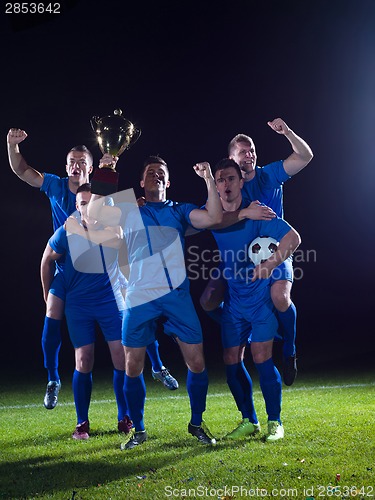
302,153
288,244
17,162
108,236
47,269
212,213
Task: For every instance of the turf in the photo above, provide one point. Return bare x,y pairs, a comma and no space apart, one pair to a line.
329,430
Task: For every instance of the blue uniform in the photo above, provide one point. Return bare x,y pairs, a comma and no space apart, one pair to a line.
267,187
157,284
62,200
93,295
247,306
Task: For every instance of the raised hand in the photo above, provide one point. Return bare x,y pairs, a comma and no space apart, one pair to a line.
16,135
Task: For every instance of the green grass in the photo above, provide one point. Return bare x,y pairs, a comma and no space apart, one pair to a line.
329,430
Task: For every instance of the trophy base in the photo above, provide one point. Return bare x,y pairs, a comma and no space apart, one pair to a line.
104,181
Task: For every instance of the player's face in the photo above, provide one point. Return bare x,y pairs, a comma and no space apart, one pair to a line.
155,178
82,200
78,167
245,155
228,184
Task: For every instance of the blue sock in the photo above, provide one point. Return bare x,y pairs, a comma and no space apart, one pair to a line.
153,353
241,387
288,321
82,387
216,314
51,343
118,387
197,387
135,396
270,384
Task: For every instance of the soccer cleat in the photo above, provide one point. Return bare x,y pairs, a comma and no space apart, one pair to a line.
275,431
125,425
52,392
82,431
202,433
164,376
290,369
244,429
134,439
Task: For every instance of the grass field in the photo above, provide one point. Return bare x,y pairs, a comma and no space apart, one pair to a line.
329,430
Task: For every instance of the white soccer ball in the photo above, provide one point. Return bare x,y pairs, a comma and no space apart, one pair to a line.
262,248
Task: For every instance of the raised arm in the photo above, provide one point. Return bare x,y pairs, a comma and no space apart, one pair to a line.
213,212
105,214
288,244
47,269
18,163
302,153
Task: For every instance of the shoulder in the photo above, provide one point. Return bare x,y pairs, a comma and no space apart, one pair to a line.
52,181
58,240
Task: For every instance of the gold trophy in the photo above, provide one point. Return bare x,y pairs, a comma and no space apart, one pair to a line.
114,134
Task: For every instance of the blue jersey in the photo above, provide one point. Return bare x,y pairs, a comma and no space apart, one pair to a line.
158,285
62,200
233,244
97,280
155,237
267,186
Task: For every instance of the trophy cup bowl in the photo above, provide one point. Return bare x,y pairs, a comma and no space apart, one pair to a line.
114,134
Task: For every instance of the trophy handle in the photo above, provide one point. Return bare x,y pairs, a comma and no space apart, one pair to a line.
94,122
136,135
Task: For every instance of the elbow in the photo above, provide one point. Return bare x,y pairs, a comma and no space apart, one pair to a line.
296,240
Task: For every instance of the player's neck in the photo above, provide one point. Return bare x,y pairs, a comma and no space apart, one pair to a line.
157,196
231,206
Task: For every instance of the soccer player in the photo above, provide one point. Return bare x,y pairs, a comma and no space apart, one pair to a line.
159,288
61,192
90,297
265,185
248,312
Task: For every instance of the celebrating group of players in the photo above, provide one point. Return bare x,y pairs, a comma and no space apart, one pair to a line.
82,277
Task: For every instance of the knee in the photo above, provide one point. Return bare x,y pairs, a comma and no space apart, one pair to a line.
281,299
84,363
133,368
196,364
232,357
260,357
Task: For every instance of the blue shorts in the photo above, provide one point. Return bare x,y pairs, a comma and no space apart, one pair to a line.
82,318
283,272
58,286
139,325
248,318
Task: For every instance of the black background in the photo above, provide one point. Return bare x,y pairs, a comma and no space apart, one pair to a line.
191,75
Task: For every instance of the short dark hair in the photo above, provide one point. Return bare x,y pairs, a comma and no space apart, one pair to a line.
153,159
236,139
227,163
83,149
84,188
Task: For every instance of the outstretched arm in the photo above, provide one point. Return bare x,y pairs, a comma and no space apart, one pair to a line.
288,244
17,162
254,211
213,212
302,153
